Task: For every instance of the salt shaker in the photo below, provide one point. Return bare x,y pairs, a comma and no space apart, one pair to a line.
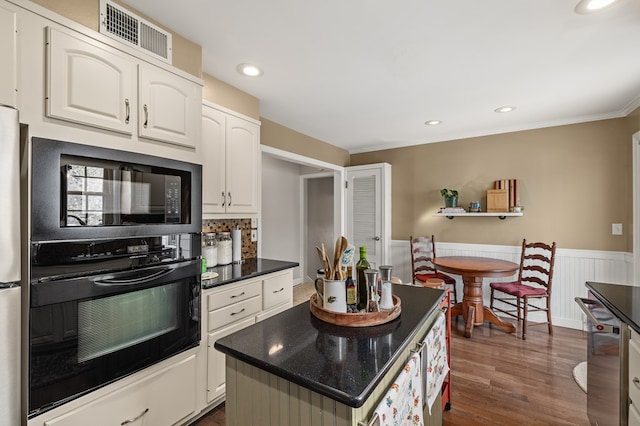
386,290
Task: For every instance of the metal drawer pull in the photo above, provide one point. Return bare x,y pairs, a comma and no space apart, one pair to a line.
278,291
224,199
236,313
134,419
146,116
229,198
126,104
636,382
237,295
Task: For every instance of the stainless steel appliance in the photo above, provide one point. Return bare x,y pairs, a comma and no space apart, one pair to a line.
607,364
9,268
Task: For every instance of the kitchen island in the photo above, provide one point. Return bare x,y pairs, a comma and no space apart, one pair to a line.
293,368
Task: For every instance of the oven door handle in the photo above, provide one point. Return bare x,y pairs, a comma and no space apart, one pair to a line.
605,328
134,281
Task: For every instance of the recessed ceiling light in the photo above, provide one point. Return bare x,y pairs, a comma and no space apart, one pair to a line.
504,109
592,6
433,122
249,70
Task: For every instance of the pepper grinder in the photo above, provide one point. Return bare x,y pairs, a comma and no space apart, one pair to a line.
371,276
386,290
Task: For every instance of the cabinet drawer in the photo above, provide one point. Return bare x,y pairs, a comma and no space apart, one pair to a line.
148,400
233,294
237,311
276,289
634,368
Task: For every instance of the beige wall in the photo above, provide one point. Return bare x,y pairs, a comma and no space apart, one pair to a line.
187,55
575,182
278,136
221,93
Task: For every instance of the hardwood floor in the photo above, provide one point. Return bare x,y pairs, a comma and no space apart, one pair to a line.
500,379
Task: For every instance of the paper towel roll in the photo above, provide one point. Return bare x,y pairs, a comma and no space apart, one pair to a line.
236,238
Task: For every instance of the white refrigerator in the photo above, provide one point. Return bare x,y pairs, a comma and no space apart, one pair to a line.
9,267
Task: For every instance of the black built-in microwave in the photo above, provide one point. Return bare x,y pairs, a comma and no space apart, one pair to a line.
81,191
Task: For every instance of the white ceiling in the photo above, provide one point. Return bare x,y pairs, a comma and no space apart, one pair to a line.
367,74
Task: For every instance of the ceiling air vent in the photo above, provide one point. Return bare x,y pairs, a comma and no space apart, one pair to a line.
120,24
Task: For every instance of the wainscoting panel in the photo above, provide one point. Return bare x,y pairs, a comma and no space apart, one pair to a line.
572,269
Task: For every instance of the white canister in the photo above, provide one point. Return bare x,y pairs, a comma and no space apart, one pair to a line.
210,250
224,248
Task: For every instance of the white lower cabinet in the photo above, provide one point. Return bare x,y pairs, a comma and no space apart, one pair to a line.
634,379
162,398
215,359
232,307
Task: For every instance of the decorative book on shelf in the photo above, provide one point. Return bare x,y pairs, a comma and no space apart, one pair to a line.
449,210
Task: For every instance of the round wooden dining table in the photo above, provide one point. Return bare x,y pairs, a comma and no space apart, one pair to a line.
473,270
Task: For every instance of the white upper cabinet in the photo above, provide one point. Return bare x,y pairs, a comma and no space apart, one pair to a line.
94,84
230,147
242,147
9,55
89,83
213,154
169,106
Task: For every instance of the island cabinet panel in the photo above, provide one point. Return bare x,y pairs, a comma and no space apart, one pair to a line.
145,402
634,379
257,397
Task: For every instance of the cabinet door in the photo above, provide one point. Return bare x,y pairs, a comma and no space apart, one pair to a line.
89,83
9,54
213,160
216,361
243,144
169,107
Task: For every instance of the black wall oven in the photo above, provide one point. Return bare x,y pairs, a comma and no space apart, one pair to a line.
114,267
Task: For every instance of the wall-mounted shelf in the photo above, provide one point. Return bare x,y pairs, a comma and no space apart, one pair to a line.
500,215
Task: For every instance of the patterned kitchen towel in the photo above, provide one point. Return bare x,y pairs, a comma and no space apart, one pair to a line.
402,405
435,364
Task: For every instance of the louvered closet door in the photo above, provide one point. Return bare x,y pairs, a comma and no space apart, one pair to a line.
366,212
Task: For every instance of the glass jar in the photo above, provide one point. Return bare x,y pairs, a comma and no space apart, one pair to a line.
225,251
210,249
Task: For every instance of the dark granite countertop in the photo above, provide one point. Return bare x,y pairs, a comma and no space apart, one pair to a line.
622,300
249,268
342,363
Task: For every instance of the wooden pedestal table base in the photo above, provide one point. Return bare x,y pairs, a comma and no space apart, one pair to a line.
473,270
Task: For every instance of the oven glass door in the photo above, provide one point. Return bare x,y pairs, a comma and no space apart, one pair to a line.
88,332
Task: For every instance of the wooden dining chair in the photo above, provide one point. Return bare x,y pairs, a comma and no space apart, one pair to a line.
423,249
534,282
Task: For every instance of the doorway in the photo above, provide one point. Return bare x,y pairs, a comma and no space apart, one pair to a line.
301,207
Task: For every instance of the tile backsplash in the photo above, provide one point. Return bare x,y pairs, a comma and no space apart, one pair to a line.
249,248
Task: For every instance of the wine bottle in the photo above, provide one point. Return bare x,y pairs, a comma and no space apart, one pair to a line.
352,292
361,266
